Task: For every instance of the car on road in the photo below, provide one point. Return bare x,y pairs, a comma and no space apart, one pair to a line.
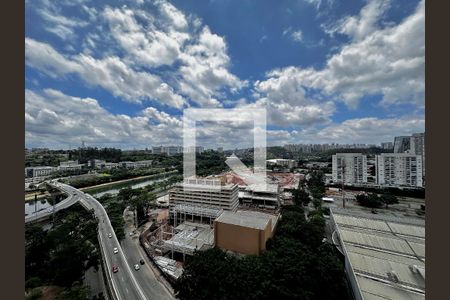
116,250
136,267
115,269
110,235
131,233
142,262
49,210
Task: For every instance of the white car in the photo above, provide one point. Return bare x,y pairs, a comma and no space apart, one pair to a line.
116,250
110,235
49,210
136,267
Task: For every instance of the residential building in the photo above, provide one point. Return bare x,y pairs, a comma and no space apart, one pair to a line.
349,168
244,232
418,147
261,195
399,169
201,200
387,146
402,144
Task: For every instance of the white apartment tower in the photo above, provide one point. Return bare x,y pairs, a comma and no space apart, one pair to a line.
399,169
418,147
349,168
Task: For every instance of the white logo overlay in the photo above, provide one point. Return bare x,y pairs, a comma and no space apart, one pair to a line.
230,115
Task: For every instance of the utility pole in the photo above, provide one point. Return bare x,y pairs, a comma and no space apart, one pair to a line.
35,203
343,183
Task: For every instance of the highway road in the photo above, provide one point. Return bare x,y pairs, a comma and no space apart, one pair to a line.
70,200
123,282
127,283
134,253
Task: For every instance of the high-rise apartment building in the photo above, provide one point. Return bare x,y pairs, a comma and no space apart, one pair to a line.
399,169
387,146
402,144
418,147
349,168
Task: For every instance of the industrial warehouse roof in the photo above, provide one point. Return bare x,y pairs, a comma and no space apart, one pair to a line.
251,219
386,257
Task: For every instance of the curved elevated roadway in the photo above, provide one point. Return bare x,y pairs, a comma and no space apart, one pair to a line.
123,283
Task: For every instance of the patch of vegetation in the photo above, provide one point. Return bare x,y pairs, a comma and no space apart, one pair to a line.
61,255
403,192
296,265
373,200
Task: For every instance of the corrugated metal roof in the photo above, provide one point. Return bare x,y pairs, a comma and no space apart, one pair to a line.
387,257
375,290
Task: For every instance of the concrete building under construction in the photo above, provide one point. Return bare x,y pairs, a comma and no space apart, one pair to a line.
201,200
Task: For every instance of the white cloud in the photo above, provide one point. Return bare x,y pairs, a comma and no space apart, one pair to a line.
151,47
294,35
110,73
43,57
358,27
389,62
204,71
58,24
171,12
369,130
60,119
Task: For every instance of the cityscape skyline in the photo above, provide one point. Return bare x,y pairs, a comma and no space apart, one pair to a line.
116,75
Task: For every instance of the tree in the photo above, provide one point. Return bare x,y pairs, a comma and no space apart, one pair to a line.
301,197
371,200
76,292
316,184
388,199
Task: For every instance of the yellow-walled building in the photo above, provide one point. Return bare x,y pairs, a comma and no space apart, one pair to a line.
244,232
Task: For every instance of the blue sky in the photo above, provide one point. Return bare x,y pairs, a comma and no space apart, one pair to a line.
120,73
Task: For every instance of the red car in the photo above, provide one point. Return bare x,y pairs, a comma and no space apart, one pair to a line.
115,269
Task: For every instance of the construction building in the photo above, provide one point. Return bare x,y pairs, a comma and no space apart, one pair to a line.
349,168
201,200
399,169
384,256
244,232
260,195
185,238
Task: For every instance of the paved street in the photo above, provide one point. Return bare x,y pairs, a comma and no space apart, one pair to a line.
134,253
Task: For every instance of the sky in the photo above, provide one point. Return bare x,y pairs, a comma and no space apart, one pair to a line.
121,73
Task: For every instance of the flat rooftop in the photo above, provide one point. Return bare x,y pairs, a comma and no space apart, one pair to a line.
263,188
387,257
247,218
